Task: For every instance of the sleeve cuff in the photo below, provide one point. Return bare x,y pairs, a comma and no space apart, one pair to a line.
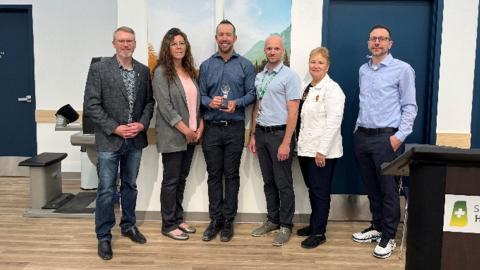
239,103
400,135
175,120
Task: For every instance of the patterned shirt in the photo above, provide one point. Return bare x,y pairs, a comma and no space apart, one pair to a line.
129,82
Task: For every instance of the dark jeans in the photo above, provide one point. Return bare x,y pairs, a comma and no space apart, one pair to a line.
277,177
371,151
222,148
128,157
319,182
176,166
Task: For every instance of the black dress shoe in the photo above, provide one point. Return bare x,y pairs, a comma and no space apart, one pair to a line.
135,235
105,250
212,230
314,241
305,231
227,231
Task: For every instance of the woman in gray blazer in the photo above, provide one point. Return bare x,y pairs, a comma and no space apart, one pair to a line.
179,126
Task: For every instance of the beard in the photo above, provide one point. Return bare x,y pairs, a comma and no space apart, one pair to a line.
225,49
379,51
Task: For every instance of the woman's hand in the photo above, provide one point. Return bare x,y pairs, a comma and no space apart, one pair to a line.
320,160
199,131
191,136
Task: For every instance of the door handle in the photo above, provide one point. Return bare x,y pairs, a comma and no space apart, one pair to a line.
27,98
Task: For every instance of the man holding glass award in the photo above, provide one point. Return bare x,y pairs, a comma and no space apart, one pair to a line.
226,84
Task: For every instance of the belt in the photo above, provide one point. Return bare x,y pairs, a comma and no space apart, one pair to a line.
376,131
271,128
222,123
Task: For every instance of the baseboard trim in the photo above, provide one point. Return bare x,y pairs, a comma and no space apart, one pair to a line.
202,217
71,176
9,167
342,208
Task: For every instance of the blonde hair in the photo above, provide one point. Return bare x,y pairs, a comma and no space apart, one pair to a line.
322,51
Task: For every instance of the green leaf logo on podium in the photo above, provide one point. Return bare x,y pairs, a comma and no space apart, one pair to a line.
459,214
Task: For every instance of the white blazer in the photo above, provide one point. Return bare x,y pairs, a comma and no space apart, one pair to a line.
321,119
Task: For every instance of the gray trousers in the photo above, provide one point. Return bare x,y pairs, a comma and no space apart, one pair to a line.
277,177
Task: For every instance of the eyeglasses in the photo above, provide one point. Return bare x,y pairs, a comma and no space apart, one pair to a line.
380,39
178,44
127,41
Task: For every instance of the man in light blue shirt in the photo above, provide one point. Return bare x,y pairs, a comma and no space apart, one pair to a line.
274,118
387,112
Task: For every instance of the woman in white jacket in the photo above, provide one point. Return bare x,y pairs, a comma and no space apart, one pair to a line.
319,142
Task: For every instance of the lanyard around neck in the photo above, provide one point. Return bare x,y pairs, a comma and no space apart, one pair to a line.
265,83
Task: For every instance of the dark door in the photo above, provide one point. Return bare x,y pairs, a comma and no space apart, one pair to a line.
348,24
17,102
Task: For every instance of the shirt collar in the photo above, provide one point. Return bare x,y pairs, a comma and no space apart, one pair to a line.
322,82
275,70
234,55
385,62
121,67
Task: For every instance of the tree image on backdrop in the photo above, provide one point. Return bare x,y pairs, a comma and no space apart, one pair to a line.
255,20
195,18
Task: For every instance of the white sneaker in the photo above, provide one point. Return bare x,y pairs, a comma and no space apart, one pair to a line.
366,236
384,249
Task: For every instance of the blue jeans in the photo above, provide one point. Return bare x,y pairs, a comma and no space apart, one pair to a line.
128,157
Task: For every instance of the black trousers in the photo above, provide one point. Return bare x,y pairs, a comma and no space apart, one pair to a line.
319,183
176,166
222,148
371,151
277,177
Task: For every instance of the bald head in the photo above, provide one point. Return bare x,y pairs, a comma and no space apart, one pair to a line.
276,40
274,50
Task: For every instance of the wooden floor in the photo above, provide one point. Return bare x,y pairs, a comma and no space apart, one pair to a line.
67,243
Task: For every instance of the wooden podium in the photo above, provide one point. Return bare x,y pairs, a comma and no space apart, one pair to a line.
441,236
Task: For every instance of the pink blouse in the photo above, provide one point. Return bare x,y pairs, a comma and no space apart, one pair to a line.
191,93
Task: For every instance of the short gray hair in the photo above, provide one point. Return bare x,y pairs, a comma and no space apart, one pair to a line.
123,29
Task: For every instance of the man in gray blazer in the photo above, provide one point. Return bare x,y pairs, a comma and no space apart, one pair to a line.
118,99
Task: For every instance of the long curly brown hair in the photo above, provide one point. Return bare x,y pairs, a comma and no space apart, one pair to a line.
165,58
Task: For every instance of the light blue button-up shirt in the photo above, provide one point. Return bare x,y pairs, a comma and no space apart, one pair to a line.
283,86
387,96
